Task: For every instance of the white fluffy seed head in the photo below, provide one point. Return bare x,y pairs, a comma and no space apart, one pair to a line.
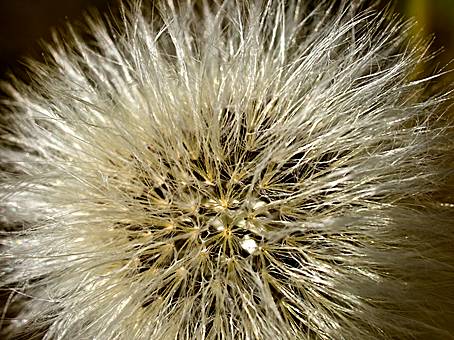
228,170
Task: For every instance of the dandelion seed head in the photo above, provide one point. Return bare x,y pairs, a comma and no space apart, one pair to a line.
235,170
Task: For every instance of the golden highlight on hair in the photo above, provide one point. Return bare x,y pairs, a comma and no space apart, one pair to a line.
228,170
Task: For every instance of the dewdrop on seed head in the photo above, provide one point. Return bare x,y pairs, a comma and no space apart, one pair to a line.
228,170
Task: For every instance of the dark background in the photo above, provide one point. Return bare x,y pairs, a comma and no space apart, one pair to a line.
24,23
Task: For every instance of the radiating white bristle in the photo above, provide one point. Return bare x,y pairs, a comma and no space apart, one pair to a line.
228,170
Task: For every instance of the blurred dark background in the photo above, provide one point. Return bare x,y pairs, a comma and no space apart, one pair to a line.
23,23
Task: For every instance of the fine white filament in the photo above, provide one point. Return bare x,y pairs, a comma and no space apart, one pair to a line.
228,170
